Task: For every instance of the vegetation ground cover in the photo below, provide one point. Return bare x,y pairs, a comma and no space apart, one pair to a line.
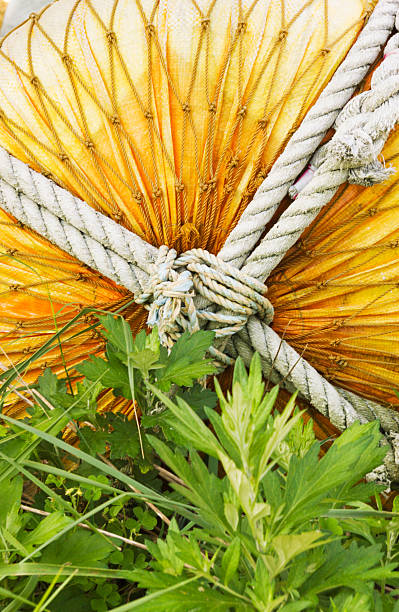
200,499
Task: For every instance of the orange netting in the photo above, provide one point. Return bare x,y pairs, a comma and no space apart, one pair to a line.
167,115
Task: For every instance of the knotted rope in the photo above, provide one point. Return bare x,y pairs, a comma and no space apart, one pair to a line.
196,288
176,280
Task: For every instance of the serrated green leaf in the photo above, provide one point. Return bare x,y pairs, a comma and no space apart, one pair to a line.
186,361
92,442
144,360
188,423
48,384
198,398
46,529
118,332
346,567
170,593
93,367
230,560
80,548
112,373
124,438
288,546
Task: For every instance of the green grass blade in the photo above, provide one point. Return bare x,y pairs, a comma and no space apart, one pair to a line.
49,569
49,469
131,605
19,599
28,589
81,519
145,492
85,457
64,503
45,601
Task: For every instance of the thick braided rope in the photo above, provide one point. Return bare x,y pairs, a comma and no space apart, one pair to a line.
307,138
361,133
176,280
341,408
122,256
362,129
73,225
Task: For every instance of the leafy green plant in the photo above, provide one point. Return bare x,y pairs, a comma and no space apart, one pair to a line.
264,535
187,505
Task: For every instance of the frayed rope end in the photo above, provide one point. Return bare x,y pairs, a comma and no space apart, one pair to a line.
370,174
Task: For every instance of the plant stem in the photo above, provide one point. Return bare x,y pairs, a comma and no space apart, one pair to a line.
103,531
169,475
158,512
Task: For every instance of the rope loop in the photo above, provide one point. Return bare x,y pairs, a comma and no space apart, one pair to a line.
177,280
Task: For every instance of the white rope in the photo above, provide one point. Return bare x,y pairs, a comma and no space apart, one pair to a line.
320,118
176,280
73,225
362,130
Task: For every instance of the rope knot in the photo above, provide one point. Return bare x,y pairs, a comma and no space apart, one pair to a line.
179,186
111,37
282,35
66,59
170,295
157,193
177,282
262,123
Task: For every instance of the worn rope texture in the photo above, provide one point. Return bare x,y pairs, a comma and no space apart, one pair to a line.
117,253
73,225
362,129
177,280
68,226
320,118
352,154
76,228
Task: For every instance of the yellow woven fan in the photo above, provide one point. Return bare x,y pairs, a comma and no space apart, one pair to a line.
166,116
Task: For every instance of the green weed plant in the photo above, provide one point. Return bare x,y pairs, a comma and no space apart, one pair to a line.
205,501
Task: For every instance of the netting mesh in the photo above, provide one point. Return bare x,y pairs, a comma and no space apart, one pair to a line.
336,292
167,115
